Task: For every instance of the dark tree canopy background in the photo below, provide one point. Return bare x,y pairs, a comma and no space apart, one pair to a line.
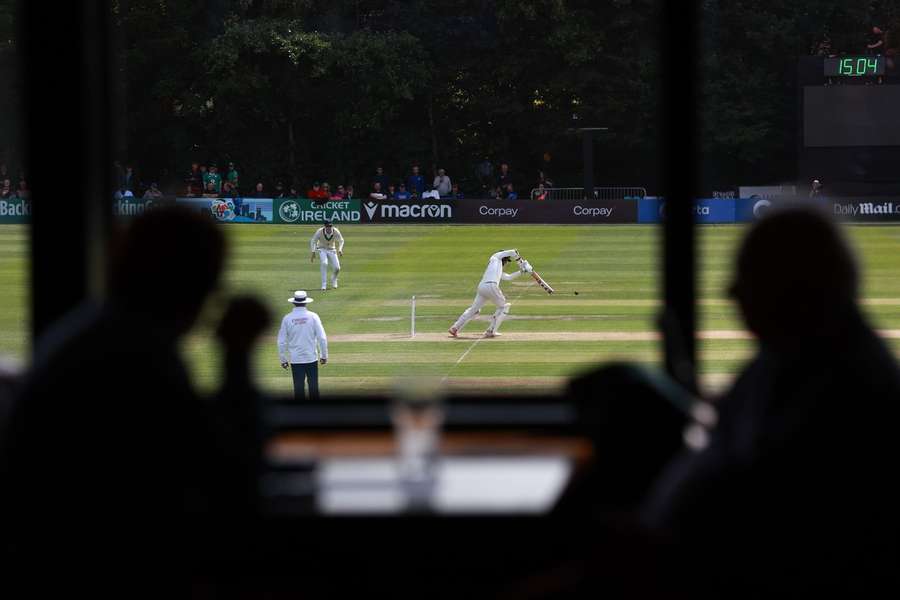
304,90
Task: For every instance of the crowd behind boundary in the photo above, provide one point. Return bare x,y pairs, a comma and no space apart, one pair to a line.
206,180
9,190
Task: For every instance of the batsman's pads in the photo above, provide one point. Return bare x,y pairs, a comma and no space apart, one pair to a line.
498,317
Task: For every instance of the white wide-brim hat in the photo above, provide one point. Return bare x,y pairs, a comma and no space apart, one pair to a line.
300,297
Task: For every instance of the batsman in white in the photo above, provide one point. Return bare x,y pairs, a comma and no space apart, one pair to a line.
329,243
489,291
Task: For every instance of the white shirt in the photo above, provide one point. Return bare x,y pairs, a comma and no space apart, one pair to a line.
494,272
300,334
442,184
320,242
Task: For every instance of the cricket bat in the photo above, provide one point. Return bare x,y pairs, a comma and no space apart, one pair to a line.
538,278
542,283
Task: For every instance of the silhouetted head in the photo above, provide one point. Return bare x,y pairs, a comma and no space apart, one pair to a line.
796,278
165,264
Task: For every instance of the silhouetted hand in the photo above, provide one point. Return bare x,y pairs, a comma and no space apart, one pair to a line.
244,320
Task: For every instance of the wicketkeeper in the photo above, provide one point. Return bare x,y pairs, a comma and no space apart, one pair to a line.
489,291
329,243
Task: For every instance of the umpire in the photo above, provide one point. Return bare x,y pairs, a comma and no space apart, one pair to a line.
303,345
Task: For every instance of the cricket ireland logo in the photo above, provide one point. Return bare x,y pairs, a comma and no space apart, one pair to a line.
289,211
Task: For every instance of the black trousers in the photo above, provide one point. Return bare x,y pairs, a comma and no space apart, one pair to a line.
309,372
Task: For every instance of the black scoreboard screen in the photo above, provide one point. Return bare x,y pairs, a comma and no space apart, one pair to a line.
851,115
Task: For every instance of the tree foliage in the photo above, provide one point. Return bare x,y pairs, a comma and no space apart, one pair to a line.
10,95
327,89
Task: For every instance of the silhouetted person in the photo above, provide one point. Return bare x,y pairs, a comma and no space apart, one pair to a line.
785,488
794,491
108,438
815,189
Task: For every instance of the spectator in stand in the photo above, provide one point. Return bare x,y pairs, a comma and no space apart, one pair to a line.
259,191
194,179
338,193
540,193
153,192
510,192
229,191
4,171
317,193
215,177
129,179
402,194
442,183
815,189
381,178
232,176
416,183
203,172
6,190
207,177
504,177
123,193
496,193
279,190
349,195
543,180
294,192
189,191
875,43
456,193
376,193
485,173
391,192
210,190
22,191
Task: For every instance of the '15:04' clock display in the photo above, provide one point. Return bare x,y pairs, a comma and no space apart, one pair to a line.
854,66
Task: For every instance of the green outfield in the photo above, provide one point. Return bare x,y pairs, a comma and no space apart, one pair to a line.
546,339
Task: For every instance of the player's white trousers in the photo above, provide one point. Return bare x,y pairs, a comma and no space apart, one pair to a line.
325,257
487,292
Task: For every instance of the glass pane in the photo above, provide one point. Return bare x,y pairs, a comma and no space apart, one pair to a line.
293,102
799,106
15,203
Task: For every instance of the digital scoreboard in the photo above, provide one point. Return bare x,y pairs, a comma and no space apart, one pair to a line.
854,66
849,123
